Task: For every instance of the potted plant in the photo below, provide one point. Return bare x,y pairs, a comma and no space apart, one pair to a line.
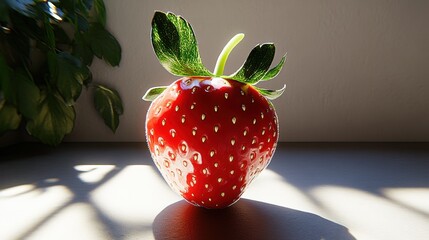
46,49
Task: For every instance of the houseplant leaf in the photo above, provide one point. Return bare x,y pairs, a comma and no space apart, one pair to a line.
7,86
100,12
53,121
26,26
88,4
24,7
9,117
28,94
70,77
82,49
175,45
104,45
38,53
51,10
16,44
109,105
4,13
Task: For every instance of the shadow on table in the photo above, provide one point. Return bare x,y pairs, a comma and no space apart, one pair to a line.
247,219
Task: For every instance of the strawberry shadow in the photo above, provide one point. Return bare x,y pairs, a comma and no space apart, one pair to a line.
247,219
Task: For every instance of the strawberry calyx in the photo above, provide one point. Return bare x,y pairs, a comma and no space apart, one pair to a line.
221,60
176,48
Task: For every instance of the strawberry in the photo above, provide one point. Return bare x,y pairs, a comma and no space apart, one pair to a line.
210,135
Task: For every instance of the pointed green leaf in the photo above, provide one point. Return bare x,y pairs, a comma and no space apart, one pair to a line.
26,26
83,6
56,13
256,65
28,94
88,4
9,117
24,7
175,45
54,120
272,73
4,72
153,93
4,12
70,77
50,36
52,65
61,36
18,43
100,10
109,106
82,22
104,45
271,94
7,86
82,49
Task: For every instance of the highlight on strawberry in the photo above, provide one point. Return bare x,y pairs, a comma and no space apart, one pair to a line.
210,134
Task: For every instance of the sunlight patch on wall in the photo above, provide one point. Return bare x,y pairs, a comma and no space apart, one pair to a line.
33,205
368,214
134,196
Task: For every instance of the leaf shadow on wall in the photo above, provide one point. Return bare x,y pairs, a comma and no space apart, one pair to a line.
247,219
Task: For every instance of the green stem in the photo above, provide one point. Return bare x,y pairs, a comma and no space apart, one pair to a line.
221,60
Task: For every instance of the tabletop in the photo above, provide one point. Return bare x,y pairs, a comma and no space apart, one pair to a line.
317,191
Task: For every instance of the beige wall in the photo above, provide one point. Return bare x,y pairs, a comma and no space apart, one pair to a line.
357,70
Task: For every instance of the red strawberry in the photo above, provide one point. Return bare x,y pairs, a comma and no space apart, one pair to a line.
210,136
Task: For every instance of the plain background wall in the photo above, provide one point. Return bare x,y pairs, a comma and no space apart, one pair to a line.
357,70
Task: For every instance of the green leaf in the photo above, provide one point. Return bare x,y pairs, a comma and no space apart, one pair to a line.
52,65
9,117
4,72
54,120
82,49
104,45
50,36
70,77
15,47
51,10
4,12
109,106
272,73
26,26
88,4
100,11
84,7
256,65
76,18
82,23
28,94
271,94
175,45
7,86
153,93
24,7
68,6
60,35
